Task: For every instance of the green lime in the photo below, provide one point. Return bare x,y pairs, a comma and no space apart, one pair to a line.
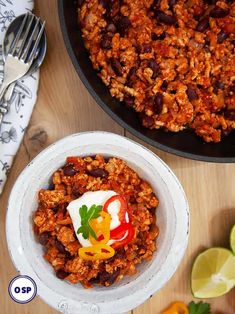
213,273
232,239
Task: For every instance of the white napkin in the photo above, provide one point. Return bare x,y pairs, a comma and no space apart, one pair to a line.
23,98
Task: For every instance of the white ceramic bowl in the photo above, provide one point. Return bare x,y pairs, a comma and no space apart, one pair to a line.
172,217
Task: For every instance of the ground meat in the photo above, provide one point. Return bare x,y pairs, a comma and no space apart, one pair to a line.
54,228
178,51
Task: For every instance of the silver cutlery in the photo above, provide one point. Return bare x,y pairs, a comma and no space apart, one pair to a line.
41,51
21,54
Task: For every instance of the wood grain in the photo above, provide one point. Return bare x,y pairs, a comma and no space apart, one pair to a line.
64,107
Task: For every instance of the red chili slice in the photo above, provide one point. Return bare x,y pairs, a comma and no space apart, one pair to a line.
123,207
128,238
119,232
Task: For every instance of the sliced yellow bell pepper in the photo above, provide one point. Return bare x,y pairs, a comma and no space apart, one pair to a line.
96,252
177,308
101,228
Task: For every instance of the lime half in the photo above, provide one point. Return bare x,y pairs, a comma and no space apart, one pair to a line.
232,239
213,273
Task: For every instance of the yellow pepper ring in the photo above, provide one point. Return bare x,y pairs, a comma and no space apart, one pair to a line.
177,308
96,252
101,228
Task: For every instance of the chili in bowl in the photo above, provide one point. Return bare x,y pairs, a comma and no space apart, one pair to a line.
51,203
97,221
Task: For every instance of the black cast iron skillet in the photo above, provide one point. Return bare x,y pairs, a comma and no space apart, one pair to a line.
185,144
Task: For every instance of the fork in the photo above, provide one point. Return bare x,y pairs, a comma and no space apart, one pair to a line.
19,59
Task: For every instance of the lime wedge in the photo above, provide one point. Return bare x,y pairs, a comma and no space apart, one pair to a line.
213,273
232,239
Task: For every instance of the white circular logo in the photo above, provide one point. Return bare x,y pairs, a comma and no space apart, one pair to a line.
22,289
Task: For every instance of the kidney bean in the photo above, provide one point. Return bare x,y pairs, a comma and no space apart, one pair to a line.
60,246
69,170
61,274
80,3
155,68
106,42
146,120
107,159
108,278
207,40
162,36
158,103
191,93
218,85
226,132
233,42
116,66
55,209
98,173
138,48
111,28
146,48
95,280
218,12
221,37
104,3
129,101
130,77
43,238
67,255
131,73
203,25
119,254
172,3
230,114
164,86
197,17
76,192
200,86
114,8
154,36
123,25
210,1
155,4
165,18
232,88
142,247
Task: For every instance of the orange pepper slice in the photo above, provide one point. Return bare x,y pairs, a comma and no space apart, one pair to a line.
96,252
101,228
177,308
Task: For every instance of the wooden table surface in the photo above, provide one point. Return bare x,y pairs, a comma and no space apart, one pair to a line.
65,107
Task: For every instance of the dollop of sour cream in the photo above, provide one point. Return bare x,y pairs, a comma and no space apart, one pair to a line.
97,198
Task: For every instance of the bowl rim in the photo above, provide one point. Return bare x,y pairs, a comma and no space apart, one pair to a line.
23,265
114,116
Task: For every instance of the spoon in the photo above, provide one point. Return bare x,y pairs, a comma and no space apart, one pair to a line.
40,54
